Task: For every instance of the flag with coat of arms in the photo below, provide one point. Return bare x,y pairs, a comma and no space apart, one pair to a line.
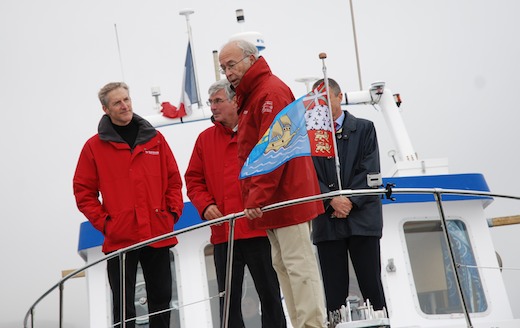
302,128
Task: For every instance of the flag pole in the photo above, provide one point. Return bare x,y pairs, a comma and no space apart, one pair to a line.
186,13
322,56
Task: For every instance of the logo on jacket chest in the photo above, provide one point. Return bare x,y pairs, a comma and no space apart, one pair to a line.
267,107
152,152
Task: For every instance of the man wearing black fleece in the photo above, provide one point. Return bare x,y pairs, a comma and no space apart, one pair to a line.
131,165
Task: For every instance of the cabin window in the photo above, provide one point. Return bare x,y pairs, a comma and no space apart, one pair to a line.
141,304
250,300
432,270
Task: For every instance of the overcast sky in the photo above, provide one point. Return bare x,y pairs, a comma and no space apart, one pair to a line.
455,64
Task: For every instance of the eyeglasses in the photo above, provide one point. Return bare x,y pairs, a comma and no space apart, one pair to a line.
215,101
223,69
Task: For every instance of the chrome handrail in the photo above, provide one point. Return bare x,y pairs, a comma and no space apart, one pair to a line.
385,192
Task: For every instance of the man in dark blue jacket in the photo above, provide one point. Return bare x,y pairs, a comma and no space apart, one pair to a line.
350,226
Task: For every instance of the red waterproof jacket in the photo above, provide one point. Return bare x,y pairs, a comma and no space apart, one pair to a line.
261,95
140,188
212,178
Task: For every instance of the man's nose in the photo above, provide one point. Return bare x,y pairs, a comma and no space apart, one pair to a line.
228,72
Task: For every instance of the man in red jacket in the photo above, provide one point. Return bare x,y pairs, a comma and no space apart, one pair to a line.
214,189
260,97
130,164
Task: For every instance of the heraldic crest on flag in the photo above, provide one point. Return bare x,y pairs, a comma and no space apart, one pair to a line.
303,128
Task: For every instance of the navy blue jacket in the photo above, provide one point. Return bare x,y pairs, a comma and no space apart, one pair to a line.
358,155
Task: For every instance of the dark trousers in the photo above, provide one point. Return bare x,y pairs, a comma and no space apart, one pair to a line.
155,263
366,259
256,254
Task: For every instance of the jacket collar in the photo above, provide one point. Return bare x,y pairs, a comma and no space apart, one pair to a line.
107,132
255,75
222,127
349,125
350,121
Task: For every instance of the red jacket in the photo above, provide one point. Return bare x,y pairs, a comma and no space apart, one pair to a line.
140,188
261,95
212,178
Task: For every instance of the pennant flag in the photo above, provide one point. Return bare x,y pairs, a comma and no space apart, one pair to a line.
303,128
189,94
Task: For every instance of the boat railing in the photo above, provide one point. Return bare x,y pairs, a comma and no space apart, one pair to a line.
385,192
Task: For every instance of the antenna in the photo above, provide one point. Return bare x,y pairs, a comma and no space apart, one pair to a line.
355,45
119,52
156,92
186,13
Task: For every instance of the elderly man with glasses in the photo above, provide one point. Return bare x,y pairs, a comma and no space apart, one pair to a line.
260,97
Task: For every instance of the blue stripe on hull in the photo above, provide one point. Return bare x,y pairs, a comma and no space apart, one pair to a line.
90,237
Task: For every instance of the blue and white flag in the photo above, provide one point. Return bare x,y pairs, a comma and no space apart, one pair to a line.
303,128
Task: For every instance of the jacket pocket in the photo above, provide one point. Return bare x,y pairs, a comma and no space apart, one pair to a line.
105,223
163,221
119,228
